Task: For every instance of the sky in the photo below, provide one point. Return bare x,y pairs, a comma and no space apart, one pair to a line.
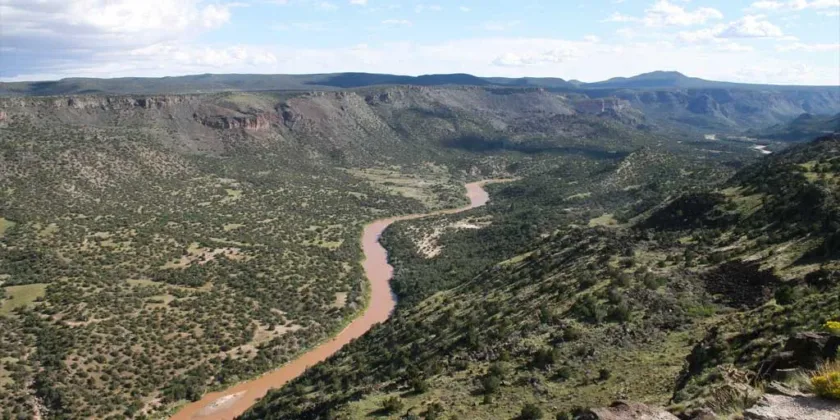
765,41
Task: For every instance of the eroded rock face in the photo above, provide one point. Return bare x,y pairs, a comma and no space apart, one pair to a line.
248,122
118,102
624,410
805,350
812,348
784,407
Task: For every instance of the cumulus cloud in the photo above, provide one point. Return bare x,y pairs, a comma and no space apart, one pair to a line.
794,5
500,26
618,17
665,13
522,59
396,22
104,24
750,26
206,57
420,8
798,46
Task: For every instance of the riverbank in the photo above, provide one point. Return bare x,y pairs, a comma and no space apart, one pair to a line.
228,404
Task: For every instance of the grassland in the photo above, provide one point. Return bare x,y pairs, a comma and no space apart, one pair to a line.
20,296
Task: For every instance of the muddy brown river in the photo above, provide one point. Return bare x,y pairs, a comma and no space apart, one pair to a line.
228,404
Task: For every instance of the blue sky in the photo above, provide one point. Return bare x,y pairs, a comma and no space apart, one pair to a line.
766,41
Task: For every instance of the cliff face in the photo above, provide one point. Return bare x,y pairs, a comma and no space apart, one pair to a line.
357,125
360,124
730,109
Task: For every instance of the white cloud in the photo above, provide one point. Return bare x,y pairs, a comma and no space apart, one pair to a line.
500,26
664,13
214,15
734,47
591,38
767,5
59,26
359,2
538,59
464,9
794,5
490,56
327,6
420,8
798,46
618,17
302,27
751,26
396,22
207,57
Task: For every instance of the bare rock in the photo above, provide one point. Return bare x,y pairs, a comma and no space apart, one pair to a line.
624,410
783,407
809,349
779,388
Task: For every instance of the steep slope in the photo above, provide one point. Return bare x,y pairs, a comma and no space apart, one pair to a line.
670,99
156,247
802,128
203,83
572,316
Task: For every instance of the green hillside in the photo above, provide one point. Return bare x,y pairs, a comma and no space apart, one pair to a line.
554,308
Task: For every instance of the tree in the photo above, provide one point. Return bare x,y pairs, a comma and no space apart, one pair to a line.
392,405
530,412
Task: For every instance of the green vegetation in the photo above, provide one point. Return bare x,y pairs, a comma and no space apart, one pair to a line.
537,313
5,225
163,247
20,296
826,381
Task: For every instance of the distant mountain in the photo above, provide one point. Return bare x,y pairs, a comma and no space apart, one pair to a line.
669,100
252,82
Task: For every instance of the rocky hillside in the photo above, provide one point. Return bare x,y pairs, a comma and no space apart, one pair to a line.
155,247
693,304
355,127
670,99
802,128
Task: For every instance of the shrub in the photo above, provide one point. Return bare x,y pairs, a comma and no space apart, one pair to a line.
419,385
544,358
434,411
530,412
604,374
490,384
392,405
785,295
833,327
571,333
620,312
564,373
826,381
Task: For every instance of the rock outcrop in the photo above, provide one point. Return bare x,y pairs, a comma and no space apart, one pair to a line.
625,410
258,122
806,350
784,407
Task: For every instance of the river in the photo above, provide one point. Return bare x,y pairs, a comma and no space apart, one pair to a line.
234,401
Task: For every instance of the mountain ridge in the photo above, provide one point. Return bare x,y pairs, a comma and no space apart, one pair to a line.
201,83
